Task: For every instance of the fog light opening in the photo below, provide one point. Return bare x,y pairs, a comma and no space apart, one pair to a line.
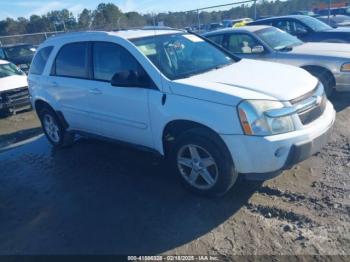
280,152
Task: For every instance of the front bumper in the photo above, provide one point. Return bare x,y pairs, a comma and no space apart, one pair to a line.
342,80
260,156
16,100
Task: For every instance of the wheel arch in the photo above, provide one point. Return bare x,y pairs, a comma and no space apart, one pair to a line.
39,104
173,129
311,68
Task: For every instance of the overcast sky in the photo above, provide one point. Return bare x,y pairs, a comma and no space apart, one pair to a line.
25,8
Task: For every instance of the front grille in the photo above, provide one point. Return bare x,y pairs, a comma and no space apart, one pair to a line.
16,99
311,114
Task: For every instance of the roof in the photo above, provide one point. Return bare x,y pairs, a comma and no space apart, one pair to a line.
279,17
126,34
3,62
138,33
251,28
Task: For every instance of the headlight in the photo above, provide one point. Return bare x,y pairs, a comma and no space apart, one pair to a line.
345,67
254,121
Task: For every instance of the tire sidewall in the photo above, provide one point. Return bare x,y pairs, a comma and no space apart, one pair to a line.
326,82
50,112
227,174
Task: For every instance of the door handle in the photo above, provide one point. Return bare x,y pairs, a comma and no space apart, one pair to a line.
95,91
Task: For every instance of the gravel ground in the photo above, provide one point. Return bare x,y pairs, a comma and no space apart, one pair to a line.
101,198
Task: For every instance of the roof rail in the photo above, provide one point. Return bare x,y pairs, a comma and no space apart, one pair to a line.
166,28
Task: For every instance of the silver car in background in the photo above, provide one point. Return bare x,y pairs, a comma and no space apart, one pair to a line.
329,62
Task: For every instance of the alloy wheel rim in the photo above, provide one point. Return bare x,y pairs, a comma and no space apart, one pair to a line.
197,166
51,128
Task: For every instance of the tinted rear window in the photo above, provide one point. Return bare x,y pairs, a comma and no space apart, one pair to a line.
72,60
39,61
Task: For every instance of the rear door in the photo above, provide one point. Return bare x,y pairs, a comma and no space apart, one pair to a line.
69,83
118,112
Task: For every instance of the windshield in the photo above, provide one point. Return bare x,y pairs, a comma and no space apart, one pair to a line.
278,39
315,24
182,55
19,51
9,70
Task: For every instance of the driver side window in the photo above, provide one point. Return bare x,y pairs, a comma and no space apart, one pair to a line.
290,26
241,43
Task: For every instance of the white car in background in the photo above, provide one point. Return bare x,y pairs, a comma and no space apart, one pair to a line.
211,114
14,94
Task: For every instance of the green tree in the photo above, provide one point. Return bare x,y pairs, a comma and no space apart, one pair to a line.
85,19
106,16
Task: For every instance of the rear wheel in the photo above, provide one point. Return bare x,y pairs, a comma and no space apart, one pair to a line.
53,128
203,163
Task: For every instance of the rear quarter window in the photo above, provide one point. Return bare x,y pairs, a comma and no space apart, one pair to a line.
40,60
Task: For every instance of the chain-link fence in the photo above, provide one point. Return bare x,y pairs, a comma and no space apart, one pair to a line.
209,18
34,39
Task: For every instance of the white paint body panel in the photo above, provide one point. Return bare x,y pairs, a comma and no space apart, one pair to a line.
138,116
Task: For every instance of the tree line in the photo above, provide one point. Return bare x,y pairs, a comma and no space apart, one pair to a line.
108,16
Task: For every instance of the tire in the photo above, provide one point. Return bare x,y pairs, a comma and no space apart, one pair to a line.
209,149
53,129
325,78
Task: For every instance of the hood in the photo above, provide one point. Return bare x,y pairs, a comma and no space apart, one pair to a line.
21,60
12,82
326,49
345,24
247,79
340,30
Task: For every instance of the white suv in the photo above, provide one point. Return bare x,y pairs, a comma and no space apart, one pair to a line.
209,113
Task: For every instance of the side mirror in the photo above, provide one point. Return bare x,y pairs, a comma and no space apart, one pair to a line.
130,78
259,49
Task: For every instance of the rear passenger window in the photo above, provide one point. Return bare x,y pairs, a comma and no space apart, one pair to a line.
109,58
39,61
72,60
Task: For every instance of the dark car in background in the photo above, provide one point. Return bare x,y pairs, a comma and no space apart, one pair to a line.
336,20
334,11
19,54
307,29
304,12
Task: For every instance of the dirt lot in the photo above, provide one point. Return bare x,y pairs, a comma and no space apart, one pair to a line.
100,198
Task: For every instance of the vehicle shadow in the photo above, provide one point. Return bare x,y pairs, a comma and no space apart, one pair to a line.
101,198
340,100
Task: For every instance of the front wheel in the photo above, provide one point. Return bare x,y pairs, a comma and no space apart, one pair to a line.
203,163
325,78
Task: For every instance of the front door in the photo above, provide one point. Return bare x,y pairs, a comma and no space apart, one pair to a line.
118,112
